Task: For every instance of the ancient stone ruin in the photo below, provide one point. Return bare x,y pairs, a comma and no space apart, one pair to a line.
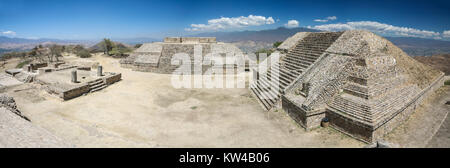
65,80
157,56
360,82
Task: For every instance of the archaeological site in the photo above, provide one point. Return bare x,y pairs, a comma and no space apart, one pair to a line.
316,89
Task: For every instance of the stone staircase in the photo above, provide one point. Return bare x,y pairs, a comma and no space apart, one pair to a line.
96,85
296,62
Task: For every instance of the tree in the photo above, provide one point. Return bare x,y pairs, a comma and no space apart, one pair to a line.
276,44
55,52
33,52
77,48
137,45
108,45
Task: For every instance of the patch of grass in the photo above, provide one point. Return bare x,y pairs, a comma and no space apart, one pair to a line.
447,82
194,107
21,64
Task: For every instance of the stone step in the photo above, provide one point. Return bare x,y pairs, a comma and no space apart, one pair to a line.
378,90
312,46
287,74
285,78
96,85
312,42
303,58
267,93
351,108
394,98
265,86
388,94
356,90
98,88
391,106
304,54
293,67
299,59
311,54
265,97
282,81
258,96
360,108
296,64
95,81
307,50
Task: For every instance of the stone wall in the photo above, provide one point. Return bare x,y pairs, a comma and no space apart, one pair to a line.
75,92
350,127
112,79
307,119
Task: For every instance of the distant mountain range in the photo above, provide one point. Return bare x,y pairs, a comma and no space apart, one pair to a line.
270,35
248,41
420,46
8,44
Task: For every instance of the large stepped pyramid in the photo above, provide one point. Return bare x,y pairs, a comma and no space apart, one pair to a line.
159,56
305,53
360,82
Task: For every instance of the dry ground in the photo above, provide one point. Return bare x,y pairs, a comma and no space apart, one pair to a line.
144,110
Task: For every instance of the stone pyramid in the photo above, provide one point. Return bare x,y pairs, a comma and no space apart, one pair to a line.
362,83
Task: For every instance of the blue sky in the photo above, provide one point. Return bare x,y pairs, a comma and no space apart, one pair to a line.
93,19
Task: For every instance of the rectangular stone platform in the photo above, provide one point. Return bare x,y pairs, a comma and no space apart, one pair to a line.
60,84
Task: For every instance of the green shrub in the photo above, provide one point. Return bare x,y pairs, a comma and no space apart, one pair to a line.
84,53
447,82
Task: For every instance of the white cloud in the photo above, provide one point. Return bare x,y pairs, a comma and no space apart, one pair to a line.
446,34
230,23
380,28
320,20
9,33
291,24
329,18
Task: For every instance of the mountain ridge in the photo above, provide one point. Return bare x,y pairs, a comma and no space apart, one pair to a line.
248,41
